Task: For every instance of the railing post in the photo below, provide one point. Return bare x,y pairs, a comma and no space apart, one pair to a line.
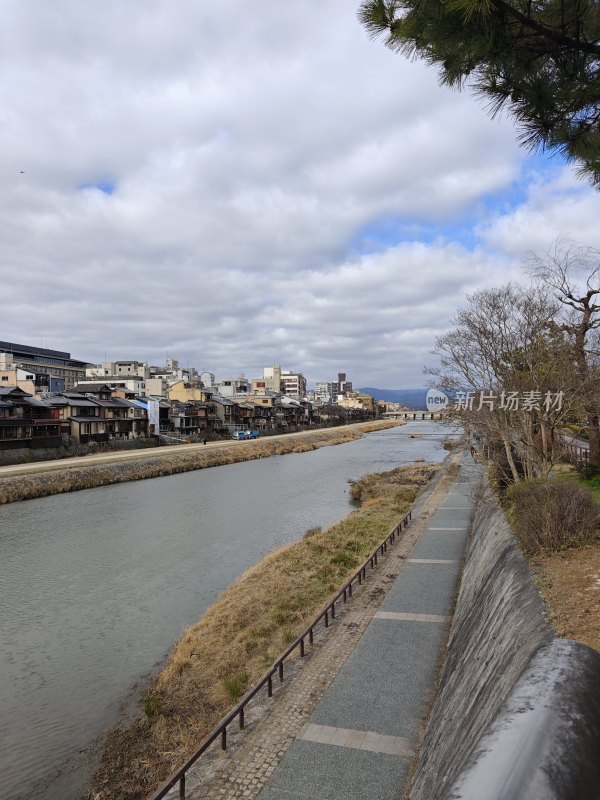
360,577
270,686
327,619
350,588
333,610
182,787
281,671
310,636
241,719
301,648
224,739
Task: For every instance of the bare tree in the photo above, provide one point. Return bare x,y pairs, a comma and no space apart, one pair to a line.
572,273
505,347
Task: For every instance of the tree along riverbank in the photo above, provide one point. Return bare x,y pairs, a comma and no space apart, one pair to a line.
58,479
217,660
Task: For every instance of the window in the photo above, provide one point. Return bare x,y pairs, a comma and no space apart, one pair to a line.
5,378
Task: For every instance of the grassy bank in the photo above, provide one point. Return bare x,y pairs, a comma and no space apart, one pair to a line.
569,582
569,579
71,479
217,660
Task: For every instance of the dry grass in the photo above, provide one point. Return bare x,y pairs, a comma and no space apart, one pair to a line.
569,582
72,479
217,659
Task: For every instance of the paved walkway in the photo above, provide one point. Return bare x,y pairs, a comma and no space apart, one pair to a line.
350,724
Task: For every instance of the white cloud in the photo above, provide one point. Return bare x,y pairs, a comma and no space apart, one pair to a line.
249,146
558,207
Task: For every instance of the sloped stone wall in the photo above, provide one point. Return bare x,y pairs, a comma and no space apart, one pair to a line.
498,626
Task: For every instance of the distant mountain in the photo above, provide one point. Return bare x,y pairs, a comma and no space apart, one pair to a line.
411,398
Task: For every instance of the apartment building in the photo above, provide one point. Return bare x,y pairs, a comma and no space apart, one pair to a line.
44,364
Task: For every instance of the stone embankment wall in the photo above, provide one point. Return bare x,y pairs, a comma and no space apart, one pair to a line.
517,712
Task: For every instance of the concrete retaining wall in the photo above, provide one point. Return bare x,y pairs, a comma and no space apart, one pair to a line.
545,742
498,626
517,711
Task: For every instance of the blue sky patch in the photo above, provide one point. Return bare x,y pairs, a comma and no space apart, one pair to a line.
103,186
392,230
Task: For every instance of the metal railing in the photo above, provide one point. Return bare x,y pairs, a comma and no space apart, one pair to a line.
575,453
327,614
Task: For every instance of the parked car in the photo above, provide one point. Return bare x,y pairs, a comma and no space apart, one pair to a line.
246,435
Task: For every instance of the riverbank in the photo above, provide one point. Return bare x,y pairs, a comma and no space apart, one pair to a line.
217,659
56,478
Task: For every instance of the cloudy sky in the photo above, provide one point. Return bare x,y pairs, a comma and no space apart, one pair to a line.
240,184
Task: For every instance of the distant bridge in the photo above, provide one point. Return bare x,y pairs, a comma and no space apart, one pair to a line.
412,415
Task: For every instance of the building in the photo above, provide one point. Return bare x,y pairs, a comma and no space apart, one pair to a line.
185,392
124,418
293,384
188,418
272,378
95,413
357,401
227,412
132,383
343,386
157,387
325,392
44,364
233,387
131,368
12,375
27,422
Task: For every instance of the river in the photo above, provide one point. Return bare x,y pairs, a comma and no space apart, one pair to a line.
95,586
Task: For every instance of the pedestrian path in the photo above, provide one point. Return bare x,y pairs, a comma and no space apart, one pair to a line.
361,738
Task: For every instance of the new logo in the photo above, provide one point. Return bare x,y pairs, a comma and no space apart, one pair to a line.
436,400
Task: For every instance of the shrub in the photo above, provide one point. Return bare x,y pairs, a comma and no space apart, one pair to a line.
152,704
552,514
312,532
588,469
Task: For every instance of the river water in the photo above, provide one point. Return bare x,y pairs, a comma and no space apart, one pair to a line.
95,586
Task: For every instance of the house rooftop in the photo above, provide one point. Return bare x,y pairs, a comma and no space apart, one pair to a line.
14,390
222,401
84,388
